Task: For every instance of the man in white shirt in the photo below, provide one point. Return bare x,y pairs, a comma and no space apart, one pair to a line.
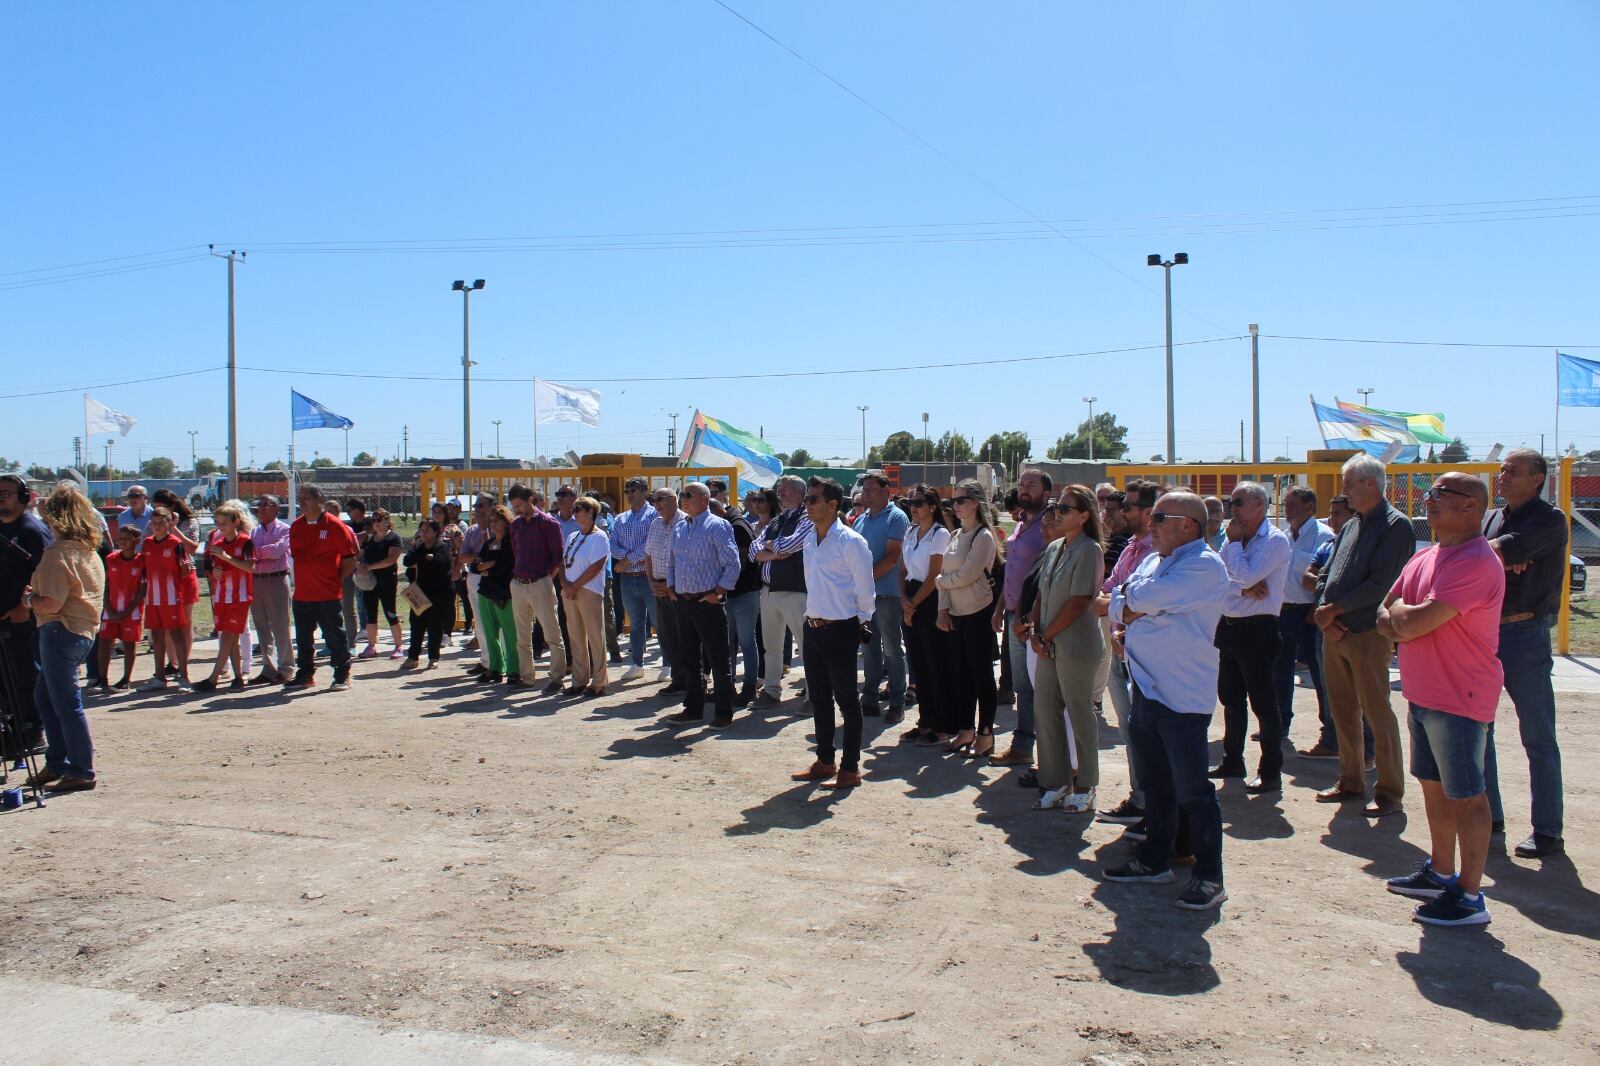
1297,634
839,604
1257,557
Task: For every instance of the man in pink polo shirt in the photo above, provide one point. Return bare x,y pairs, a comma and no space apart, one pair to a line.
1444,613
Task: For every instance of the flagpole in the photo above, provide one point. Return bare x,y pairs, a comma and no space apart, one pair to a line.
290,473
535,421
85,457
1558,416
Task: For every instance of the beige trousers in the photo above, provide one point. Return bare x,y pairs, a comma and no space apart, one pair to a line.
586,625
1355,672
535,601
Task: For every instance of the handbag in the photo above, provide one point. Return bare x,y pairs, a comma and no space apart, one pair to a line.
418,599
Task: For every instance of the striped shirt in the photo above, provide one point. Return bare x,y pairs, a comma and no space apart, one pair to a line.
162,570
629,531
658,545
792,544
704,556
229,584
271,540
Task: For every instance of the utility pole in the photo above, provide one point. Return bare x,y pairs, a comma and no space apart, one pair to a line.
466,292
927,449
252,457
497,438
864,453
405,444
672,434
1090,401
1241,441
1255,395
233,257
78,453
346,445
1180,259
109,443
193,462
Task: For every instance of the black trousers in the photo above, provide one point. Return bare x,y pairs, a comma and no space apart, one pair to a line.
19,643
467,606
328,615
1249,651
830,659
930,655
703,638
430,625
666,621
973,670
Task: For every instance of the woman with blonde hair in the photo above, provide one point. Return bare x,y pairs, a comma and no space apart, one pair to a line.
66,596
1065,634
233,564
966,609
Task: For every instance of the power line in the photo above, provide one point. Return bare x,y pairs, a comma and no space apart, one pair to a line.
30,283
56,391
97,262
1421,344
946,157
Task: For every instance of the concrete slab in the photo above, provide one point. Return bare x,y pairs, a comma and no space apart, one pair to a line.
49,1022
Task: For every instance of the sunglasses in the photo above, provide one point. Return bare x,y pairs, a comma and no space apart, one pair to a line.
1435,491
966,499
1162,516
137,496
815,499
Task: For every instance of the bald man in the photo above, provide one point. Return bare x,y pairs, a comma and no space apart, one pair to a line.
1170,608
1444,613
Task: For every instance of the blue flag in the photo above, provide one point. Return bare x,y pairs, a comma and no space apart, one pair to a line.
1577,381
306,413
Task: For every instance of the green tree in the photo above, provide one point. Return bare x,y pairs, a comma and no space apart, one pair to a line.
40,473
1008,449
800,457
897,447
160,466
1157,458
1455,452
1282,459
203,467
9,466
952,448
276,464
365,459
322,462
1110,440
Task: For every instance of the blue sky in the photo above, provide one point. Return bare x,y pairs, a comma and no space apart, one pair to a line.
1259,140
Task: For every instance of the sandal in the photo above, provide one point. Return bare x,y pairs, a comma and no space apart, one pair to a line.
930,739
957,749
1055,797
977,752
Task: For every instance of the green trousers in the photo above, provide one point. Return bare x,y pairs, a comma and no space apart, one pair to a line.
499,635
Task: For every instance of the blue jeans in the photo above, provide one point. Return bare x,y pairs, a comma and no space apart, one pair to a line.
743,612
1525,656
637,602
1297,642
1448,748
885,645
60,703
1021,687
1173,757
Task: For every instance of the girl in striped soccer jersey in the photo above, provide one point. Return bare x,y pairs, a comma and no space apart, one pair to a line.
166,570
121,618
232,588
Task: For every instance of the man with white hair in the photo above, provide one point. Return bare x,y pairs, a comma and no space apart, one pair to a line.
783,599
702,569
1256,554
1170,608
1368,555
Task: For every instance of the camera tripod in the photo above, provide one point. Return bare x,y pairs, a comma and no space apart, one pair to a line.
20,737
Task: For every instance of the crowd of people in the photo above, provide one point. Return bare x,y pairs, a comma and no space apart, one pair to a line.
1165,602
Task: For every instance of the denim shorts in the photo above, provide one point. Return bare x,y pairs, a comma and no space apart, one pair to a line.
1449,749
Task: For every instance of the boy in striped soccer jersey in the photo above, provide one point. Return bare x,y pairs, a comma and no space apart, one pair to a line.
124,606
164,571
232,588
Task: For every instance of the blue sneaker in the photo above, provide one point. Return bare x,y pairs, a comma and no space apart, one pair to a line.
1423,884
1453,908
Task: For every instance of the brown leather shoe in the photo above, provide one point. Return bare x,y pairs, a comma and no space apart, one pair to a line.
817,771
846,779
1013,756
1382,806
1338,794
43,778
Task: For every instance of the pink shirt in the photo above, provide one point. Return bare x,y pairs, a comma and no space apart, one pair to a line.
1133,554
1455,669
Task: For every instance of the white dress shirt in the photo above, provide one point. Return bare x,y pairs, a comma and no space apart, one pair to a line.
839,581
918,548
1263,557
1313,535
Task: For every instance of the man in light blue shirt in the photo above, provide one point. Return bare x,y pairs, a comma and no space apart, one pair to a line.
884,527
1297,635
702,569
1170,608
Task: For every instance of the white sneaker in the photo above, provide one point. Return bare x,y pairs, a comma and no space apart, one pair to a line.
632,672
1078,802
664,674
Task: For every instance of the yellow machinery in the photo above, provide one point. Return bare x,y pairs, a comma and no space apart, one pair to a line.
599,475
1407,483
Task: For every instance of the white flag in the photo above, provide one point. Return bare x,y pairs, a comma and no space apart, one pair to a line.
98,418
564,403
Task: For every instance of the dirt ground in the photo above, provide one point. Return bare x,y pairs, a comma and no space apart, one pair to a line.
423,853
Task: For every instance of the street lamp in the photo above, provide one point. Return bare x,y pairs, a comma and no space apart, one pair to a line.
193,462
927,448
497,438
1181,259
1366,396
466,292
1090,401
864,452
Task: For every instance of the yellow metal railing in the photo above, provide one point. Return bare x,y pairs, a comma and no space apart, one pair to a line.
590,479
1407,483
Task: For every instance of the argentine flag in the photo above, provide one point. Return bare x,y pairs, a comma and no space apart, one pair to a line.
1370,433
